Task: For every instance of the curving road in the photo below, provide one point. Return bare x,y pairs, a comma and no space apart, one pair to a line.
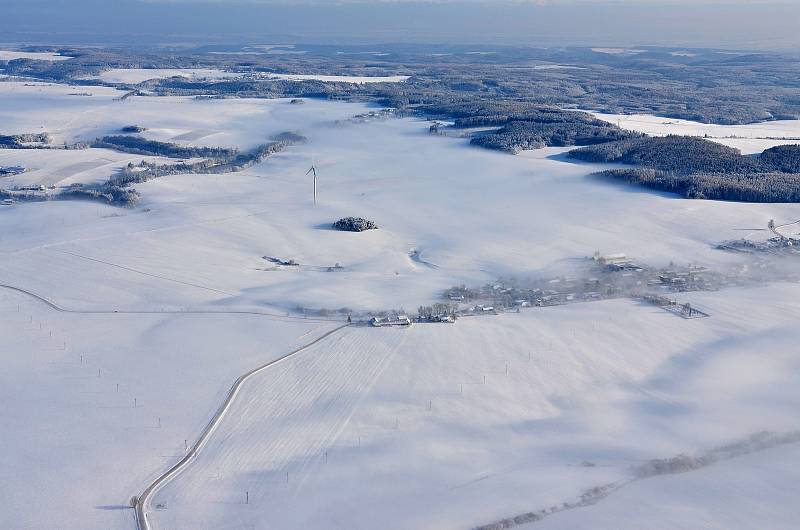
55,306
774,228
141,503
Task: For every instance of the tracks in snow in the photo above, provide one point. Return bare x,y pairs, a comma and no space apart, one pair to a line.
282,429
143,500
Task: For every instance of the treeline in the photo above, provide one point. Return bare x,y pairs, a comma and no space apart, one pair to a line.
709,86
784,158
700,169
520,135
108,193
20,141
750,187
139,145
117,190
515,113
144,171
681,154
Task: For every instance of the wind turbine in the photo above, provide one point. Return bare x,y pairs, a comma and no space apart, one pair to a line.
314,171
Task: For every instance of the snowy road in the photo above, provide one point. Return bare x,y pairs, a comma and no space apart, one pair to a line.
143,500
55,306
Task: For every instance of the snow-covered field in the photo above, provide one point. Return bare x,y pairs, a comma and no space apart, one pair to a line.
59,167
83,395
397,429
618,51
749,139
10,55
70,118
372,426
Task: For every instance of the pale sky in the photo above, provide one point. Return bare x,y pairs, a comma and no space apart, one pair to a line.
756,24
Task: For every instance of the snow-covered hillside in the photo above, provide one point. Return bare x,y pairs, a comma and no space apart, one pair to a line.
453,426
376,428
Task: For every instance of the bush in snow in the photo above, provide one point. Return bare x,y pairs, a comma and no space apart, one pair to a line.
354,224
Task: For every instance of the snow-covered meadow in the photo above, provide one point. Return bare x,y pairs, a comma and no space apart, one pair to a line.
95,405
11,55
375,428
749,139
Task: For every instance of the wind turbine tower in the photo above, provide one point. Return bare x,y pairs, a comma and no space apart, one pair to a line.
313,170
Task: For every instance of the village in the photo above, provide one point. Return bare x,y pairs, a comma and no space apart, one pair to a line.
780,244
600,277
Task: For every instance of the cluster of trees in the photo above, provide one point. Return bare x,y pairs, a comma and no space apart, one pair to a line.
512,113
142,146
680,154
437,309
133,129
20,141
746,187
354,224
784,158
144,171
700,169
108,193
6,171
519,135
22,197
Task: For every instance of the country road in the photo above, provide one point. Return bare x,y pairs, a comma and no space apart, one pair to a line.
55,306
142,501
